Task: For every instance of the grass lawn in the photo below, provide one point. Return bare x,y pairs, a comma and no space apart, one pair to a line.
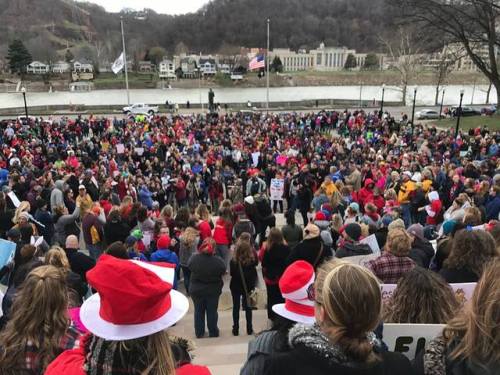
492,122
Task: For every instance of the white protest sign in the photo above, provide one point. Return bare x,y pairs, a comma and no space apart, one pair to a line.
463,291
409,339
255,159
36,240
120,148
139,151
277,189
361,260
372,242
13,197
1,299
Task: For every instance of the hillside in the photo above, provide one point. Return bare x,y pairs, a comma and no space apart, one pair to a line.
48,27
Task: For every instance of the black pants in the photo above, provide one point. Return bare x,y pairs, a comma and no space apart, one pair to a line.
206,306
239,298
273,297
275,206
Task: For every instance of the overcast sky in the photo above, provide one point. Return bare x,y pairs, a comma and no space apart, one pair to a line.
160,6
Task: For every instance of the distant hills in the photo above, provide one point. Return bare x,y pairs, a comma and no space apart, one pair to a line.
49,27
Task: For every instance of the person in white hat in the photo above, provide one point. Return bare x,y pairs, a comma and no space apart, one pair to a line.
296,286
127,319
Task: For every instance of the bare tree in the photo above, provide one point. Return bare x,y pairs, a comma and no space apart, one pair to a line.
405,55
444,65
472,23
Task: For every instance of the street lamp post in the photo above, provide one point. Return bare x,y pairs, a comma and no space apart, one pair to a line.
413,112
23,90
382,103
441,107
459,113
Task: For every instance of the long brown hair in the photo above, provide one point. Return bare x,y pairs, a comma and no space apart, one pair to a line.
471,249
350,299
244,253
477,328
40,318
149,355
275,237
435,299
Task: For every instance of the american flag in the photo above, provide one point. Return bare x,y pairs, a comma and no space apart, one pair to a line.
257,62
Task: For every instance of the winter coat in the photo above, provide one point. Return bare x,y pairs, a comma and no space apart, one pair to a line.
460,275
45,218
79,263
325,234
350,249
365,195
57,196
146,197
274,262
116,231
90,220
223,232
249,272
312,353
435,360
167,256
243,225
60,226
206,275
312,251
492,208
260,349
188,243
421,252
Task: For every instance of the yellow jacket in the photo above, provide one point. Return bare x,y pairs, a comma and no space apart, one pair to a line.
404,192
426,185
329,188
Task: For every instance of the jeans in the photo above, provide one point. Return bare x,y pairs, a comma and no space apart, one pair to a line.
206,306
238,298
406,212
187,277
224,252
95,250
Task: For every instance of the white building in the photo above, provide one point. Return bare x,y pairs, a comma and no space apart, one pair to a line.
37,67
293,61
61,67
330,58
166,69
208,67
224,68
83,67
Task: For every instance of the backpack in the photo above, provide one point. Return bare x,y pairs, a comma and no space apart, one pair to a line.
254,189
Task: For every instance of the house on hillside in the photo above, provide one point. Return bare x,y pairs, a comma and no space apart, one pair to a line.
146,67
83,66
208,67
37,67
61,67
224,68
189,67
166,69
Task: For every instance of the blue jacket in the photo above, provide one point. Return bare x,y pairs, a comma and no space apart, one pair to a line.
146,197
492,207
167,256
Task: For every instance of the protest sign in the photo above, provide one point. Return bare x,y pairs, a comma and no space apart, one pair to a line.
13,197
120,148
277,189
372,242
7,250
360,259
255,159
463,291
409,339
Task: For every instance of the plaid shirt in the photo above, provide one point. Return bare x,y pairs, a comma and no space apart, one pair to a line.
389,268
69,341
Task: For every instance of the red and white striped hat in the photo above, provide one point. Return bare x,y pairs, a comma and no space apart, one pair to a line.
297,287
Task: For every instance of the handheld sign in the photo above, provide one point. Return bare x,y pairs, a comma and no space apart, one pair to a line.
7,251
463,291
277,189
409,339
372,242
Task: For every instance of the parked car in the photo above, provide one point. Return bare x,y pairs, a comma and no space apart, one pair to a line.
490,110
427,114
140,109
466,111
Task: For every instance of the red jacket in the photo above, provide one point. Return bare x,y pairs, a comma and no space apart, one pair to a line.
365,195
223,232
71,362
205,230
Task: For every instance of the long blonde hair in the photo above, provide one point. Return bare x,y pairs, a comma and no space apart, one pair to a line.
40,319
24,206
57,257
349,296
477,327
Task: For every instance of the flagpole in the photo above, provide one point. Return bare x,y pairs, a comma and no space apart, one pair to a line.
267,62
125,61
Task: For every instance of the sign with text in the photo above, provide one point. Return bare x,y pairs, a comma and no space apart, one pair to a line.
463,291
277,189
409,339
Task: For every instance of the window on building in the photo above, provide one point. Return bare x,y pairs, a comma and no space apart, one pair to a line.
318,59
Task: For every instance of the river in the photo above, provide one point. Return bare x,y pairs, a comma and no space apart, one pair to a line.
425,95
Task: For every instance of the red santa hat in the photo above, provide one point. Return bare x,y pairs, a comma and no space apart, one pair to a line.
297,287
134,299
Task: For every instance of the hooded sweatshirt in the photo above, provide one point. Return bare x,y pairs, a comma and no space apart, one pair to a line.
57,197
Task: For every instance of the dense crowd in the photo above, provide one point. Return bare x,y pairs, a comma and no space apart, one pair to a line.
170,207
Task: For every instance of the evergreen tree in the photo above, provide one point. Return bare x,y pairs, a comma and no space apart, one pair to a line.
371,62
277,65
18,56
68,57
350,62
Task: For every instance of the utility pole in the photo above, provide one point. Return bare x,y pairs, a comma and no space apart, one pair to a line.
125,61
267,62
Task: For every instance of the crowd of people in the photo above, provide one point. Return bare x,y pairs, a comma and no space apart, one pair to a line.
171,207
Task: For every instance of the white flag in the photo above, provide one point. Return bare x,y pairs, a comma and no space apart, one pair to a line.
118,64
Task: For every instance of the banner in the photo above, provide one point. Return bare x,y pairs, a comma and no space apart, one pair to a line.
7,251
118,64
120,148
463,291
277,189
409,339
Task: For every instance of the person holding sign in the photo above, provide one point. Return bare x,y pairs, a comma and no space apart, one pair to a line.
347,308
